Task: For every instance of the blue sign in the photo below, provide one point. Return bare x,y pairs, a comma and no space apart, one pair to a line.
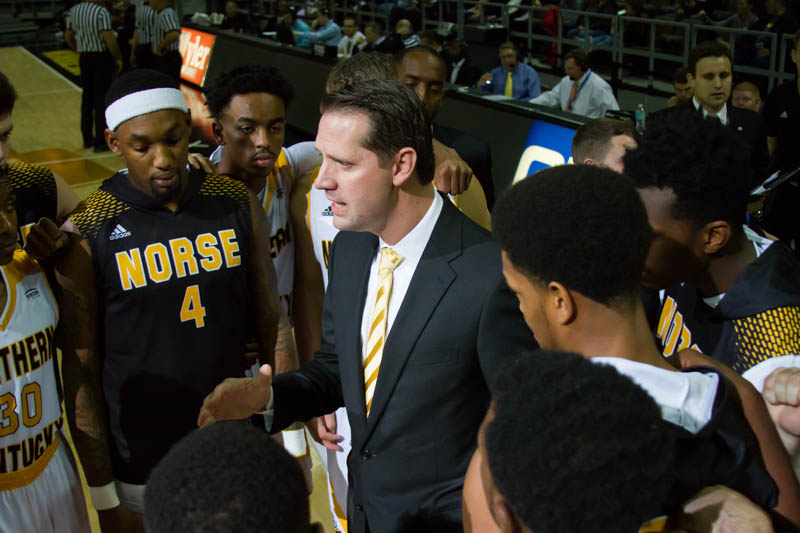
548,145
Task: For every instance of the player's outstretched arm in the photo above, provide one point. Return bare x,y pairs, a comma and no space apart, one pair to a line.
309,290
81,368
273,332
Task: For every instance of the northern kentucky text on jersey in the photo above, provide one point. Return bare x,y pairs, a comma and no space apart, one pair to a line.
27,355
181,257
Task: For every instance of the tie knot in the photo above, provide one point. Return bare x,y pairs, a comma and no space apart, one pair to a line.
389,260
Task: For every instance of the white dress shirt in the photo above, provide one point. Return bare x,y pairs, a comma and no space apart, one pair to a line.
722,114
594,98
347,45
410,247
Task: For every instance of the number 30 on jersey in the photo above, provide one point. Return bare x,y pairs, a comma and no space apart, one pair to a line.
192,308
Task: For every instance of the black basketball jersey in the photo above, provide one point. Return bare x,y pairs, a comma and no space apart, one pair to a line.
173,288
37,196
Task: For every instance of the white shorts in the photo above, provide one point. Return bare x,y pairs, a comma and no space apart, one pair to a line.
335,464
53,503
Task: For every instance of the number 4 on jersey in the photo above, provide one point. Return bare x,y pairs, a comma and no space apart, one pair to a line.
192,309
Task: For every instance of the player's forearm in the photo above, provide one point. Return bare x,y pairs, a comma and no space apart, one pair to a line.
86,416
285,349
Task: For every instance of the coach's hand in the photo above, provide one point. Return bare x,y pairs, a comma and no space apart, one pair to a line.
45,240
120,520
236,398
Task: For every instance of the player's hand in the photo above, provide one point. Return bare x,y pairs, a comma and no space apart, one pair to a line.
719,509
782,395
45,240
118,65
201,162
486,77
236,398
326,429
452,174
120,520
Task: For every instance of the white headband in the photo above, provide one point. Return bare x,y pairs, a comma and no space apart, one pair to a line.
143,102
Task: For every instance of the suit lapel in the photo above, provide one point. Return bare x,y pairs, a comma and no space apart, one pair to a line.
431,280
351,305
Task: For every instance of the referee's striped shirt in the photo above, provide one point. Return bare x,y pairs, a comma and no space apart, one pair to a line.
87,20
145,20
166,21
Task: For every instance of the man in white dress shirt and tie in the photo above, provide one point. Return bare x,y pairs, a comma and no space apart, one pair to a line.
581,91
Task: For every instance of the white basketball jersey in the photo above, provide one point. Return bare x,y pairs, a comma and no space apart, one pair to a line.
292,162
30,408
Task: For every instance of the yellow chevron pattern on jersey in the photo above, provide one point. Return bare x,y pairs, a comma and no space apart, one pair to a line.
25,175
99,207
219,185
20,266
765,335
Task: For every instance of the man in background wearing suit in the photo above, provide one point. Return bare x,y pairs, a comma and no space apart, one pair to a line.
710,68
417,317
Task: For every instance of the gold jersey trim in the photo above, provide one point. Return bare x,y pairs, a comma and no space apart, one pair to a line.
92,213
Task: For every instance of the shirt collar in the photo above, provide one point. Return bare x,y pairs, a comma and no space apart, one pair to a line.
413,244
379,40
722,114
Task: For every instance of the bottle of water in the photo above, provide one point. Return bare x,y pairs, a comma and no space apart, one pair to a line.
641,118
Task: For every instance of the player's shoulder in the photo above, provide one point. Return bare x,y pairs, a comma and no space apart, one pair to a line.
100,207
24,174
21,265
222,186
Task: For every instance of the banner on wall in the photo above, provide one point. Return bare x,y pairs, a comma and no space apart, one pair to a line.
548,145
195,48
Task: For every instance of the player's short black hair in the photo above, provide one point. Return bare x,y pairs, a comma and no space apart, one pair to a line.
705,164
594,137
707,49
229,476
397,120
576,446
580,225
420,48
365,66
580,57
8,96
246,79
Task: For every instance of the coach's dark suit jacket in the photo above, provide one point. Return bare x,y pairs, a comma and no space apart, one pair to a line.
457,322
749,126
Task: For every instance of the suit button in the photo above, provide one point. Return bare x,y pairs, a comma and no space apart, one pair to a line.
359,507
366,455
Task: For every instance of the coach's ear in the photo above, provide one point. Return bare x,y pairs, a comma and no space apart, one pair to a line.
113,141
316,527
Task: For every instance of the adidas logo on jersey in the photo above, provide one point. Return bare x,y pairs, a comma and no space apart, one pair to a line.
279,193
327,212
119,233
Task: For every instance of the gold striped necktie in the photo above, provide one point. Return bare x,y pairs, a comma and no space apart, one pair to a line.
377,326
509,85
